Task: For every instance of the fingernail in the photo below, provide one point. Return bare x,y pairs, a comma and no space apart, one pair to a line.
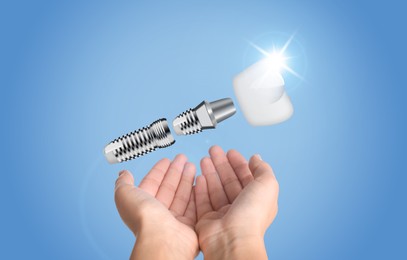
259,157
121,172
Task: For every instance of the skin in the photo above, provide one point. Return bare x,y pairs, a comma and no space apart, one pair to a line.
236,201
161,210
225,215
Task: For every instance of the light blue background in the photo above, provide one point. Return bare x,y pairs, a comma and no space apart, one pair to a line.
75,75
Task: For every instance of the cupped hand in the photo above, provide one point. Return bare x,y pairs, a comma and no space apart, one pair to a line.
235,200
161,211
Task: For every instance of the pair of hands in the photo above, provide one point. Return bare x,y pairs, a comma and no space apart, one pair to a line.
225,214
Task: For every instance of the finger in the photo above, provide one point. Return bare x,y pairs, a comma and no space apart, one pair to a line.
183,193
190,212
260,169
125,178
240,166
169,185
152,181
230,182
202,201
216,192
124,184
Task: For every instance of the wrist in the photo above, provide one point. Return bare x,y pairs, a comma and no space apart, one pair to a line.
235,245
159,244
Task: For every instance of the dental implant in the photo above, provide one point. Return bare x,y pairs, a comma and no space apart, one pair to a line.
158,135
139,142
204,116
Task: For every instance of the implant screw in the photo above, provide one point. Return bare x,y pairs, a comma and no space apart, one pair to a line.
205,116
139,142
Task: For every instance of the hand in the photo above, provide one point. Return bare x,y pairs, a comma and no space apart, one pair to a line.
161,211
236,201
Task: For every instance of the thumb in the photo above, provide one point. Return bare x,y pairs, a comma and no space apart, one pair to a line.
263,174
125,178
261,170
122,196
124,183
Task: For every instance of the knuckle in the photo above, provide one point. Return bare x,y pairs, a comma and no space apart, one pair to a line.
151,181
183,199
230,181
241,167
247,179
169,186
120,192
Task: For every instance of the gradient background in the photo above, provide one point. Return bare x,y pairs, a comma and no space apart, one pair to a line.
75,75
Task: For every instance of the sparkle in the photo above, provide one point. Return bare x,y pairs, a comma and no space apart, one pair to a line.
277,58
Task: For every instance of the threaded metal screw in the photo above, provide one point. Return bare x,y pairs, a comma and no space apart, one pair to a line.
139,142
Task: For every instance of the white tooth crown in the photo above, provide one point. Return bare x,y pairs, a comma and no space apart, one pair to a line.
261,95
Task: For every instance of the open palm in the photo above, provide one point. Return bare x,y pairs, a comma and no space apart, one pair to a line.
163,203
234,197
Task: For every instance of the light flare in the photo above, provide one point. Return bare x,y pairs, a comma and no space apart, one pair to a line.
277,58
